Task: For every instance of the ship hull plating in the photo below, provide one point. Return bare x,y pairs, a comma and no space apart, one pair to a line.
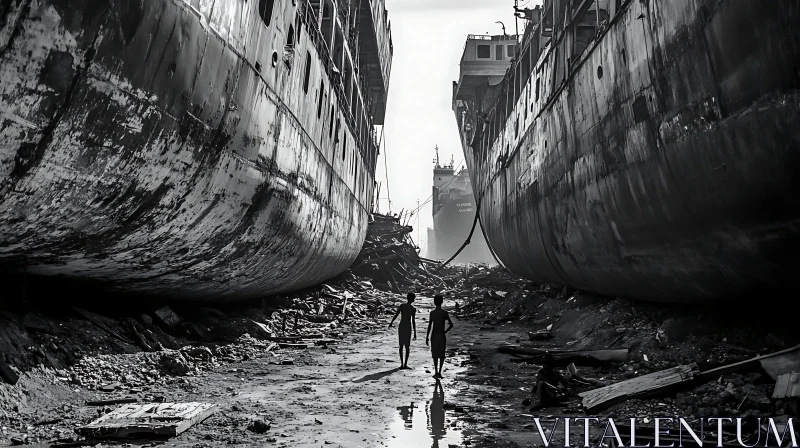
665,167
157,147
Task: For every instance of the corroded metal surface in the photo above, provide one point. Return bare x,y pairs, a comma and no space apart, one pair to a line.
664,166
169,147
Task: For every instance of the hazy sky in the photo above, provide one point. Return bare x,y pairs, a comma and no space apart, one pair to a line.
428,37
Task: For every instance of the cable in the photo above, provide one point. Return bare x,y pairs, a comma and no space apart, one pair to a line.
469,238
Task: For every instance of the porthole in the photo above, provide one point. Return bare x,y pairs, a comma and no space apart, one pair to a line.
274,58
599,72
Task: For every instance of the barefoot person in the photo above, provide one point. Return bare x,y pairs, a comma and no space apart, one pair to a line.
407,322
436,334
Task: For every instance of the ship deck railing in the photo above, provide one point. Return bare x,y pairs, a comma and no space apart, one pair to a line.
309,20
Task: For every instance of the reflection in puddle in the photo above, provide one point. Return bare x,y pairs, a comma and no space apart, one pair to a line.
426,426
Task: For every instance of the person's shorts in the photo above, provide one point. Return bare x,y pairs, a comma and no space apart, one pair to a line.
404,335
438,345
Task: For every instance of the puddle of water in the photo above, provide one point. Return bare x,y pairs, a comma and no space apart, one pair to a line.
425,424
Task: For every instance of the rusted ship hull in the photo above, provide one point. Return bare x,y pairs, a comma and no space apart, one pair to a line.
665,165
170,147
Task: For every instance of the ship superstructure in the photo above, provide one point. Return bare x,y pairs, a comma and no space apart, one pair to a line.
199,150
642,149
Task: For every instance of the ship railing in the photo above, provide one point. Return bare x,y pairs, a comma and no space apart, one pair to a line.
309,20
511,85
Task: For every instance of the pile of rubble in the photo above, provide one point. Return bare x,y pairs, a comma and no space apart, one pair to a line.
389,256
637,358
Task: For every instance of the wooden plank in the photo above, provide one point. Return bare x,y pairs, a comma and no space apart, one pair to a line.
148,420
775,364
787,386
639,387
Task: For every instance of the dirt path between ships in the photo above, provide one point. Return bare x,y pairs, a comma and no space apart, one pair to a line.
351,394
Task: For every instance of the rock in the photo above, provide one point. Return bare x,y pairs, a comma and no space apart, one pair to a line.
687,401
259,426
677,330
736,380
167,316
173,362
110,387
212,313
8,374
145,319
203,353
727,396
35,322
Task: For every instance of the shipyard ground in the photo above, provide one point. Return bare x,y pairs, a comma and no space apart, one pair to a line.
348,392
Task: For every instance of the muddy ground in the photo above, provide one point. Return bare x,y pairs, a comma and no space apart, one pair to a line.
345,388
349,392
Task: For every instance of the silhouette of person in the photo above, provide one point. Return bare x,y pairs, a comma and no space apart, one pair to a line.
407,414
437,334
548,390
407,322
436,414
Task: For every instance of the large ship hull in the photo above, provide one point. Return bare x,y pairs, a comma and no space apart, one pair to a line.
452,225
665,166
163,147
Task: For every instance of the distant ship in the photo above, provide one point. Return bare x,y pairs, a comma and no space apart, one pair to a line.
209,151
641,149
453,215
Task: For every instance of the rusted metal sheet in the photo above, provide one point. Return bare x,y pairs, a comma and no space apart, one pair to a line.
174,147
662,166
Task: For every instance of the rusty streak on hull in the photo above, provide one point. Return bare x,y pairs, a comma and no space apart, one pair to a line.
154,146
665,167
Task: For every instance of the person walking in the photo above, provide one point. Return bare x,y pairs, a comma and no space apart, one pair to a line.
436,334
408,321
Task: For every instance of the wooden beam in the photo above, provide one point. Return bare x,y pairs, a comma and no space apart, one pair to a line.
150,420
640,387
775,364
